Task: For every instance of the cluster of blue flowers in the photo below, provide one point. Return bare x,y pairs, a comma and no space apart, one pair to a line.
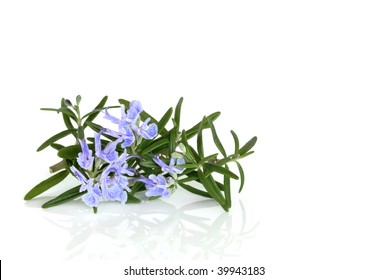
105,175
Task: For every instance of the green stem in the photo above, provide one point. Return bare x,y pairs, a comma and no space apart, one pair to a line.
58,166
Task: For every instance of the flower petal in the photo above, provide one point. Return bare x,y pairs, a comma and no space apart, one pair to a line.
78,174
90,200
134,111
150,132
111,118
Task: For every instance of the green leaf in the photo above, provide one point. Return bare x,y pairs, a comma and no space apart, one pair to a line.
236,142
189,178
220,185
189,155
163,121
194,130
156,144
97,128
178,112
95,210
246,154
177,155
219,169
68,103
98,111
67,120
124,102
92,116
217,189
172,138
200,139
81,133
63,110
216,138
46,184
194,190
132,199
207,158
55,138
242,175
225,160
248,146
78,99
187,165
57,146
71,152
149,164
211,187
138,186
144,115
195,154
68,195
227,189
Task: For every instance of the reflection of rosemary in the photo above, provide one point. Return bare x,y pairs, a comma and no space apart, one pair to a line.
159,229
141,155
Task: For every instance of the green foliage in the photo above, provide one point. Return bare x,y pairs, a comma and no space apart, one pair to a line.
202,171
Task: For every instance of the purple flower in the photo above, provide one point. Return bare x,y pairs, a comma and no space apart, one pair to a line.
134,111
128,124
109,154
93,196
85,159
156,185
125,136
114,179
127,118
171,168
78,175
145,131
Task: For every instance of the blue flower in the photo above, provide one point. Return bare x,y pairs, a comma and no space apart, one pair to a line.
129,124
145,131
171,168
134,111
78,175
93,196
114,179
85,159
109,154
156,185
125,136
127,118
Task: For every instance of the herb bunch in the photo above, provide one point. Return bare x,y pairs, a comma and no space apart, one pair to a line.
140,155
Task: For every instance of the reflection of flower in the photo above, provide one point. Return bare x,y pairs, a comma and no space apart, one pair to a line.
194,231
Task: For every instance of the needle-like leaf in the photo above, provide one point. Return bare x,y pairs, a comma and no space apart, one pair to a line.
46,184
55,138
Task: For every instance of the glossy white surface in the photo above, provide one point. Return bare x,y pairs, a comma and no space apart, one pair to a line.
162,229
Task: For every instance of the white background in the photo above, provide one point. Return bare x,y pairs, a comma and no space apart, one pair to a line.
307,77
